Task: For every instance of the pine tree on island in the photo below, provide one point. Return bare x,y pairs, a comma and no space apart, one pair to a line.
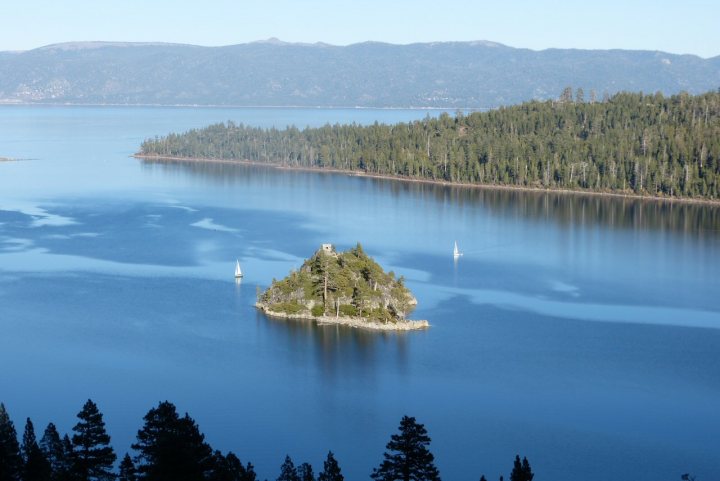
407,457
344,288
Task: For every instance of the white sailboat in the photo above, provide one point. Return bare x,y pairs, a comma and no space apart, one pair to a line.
456,251
238,271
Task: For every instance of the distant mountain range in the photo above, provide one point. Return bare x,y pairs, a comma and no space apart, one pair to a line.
371,74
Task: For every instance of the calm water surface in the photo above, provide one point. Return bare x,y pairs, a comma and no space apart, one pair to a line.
581,332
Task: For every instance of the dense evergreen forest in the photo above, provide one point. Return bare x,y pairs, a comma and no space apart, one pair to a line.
335,283
171,447
628,143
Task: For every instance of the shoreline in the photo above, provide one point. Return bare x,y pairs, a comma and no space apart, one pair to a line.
354,322
332,170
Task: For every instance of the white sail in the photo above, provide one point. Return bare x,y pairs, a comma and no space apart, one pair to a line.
456,251
238,271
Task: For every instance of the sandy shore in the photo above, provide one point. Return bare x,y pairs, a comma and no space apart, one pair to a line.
330,170
347,321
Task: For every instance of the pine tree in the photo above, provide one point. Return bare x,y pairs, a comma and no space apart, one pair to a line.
52,447
171,448
58,453
305,472
37,467
127,469
331,470
69,454
93,455
407,457
529,475
229,468
10,461
288,471
521,470
249,474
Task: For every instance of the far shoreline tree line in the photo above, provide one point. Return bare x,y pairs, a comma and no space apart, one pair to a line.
630,143
170,447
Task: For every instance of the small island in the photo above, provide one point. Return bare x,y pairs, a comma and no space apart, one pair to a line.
347,288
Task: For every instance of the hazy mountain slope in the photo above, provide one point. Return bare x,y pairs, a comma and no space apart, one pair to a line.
451,74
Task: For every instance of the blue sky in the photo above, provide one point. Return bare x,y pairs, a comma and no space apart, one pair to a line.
690,26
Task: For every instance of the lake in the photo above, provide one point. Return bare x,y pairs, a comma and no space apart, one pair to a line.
580,331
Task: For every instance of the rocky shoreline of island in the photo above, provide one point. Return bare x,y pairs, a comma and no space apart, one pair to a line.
356,322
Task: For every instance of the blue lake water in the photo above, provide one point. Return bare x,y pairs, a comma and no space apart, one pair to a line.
581,332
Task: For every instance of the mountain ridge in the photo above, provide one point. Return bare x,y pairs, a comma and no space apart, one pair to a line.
475,74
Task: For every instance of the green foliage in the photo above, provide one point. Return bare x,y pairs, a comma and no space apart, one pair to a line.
350,282
407,456
92,454
630,143
291,307
348,310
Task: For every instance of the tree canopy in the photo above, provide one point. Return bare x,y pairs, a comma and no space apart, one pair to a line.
407,457
171,447
92,453
630,143
11,463
331,469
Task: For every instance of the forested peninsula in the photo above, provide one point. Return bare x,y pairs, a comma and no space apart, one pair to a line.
629,143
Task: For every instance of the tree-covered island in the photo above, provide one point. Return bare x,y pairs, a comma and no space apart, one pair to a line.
347,288
645,145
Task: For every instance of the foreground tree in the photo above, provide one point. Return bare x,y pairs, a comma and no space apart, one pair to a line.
407,457
331,470
37,467
229,468
521,470
10,460
127,469
171,448
305,472
93,455
54,451
288,471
